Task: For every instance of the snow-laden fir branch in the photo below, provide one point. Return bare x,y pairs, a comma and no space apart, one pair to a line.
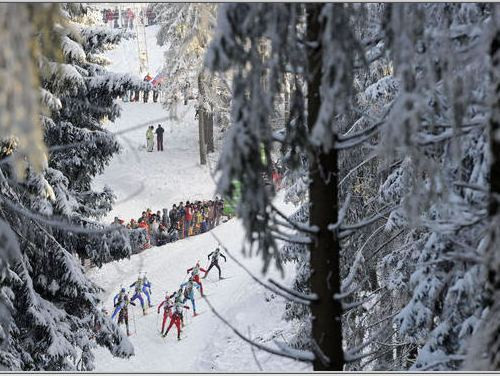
298,226
347,230
311,297
59,223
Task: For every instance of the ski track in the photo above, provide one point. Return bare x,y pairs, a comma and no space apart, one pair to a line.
175,175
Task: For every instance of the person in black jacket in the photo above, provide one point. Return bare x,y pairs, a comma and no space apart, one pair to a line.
173,217
215,261
159,137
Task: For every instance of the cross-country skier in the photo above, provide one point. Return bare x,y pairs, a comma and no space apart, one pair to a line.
138,293
121,302
195,273
167,310
214,261
146,289
176,319
179,298
189,292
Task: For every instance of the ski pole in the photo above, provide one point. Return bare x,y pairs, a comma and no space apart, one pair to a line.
133,318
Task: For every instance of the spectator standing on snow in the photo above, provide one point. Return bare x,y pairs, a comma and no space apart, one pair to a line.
150,138
173,217
147,80
130,16
188,218
159,137
116,16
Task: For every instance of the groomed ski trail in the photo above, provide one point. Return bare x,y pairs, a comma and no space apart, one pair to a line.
156,180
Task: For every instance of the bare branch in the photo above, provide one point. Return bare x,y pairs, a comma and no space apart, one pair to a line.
270,288
253,353
57,223
298,355
470,186
342,213
348,229
310,297
298,226
296,240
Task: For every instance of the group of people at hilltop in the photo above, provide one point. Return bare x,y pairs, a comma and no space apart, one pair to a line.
125,18
150,84
179,222
173,304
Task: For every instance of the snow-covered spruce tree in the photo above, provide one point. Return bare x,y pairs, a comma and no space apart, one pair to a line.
484,347
433,143
82,96
46,218
327,62
358,180
420,269
187,29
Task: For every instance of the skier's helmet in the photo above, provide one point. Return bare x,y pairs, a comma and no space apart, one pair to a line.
123,289
198,263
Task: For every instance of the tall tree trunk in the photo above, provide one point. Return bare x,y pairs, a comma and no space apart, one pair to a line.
202,120
325,255
201,132
485,350
286,105
210,132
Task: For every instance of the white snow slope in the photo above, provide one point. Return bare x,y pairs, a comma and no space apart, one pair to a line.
207,344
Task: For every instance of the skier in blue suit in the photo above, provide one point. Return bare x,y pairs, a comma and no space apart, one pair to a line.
146,289
121,302
118,302
138,293
189,292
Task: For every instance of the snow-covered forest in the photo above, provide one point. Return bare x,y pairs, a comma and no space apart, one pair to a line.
245,187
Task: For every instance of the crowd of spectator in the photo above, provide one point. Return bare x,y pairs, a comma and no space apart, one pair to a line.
181,221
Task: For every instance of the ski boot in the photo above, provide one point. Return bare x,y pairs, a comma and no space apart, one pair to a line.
195,314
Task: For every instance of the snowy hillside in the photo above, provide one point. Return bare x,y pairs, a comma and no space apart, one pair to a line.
156,180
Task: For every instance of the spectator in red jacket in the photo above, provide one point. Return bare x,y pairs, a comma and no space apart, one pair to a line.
188,218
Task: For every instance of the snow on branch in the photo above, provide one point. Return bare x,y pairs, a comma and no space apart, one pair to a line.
298,226
284,351
349,229
342,213
311,297
58,223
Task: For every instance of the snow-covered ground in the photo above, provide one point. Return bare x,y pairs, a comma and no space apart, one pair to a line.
158,180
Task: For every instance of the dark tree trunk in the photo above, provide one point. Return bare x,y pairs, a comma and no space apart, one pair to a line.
323,174
492,322
210,132
202,120
201,131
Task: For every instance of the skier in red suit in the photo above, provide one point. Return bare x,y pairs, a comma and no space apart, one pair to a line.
167,310
176,319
